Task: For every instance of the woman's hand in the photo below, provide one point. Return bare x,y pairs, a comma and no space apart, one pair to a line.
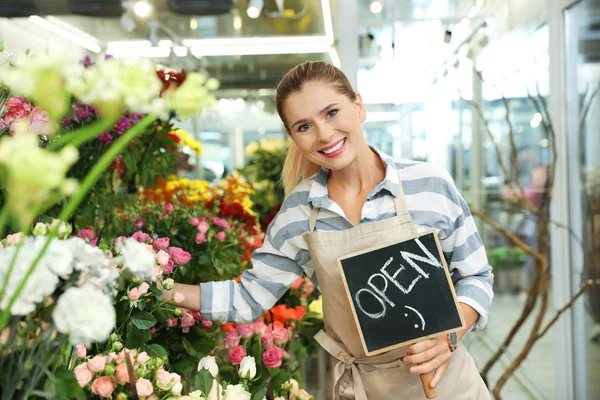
429,355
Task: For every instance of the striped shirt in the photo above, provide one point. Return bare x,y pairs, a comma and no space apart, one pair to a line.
433,203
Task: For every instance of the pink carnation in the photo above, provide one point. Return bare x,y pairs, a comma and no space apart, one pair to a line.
141,237
168,268
161,243
194,221
221,236
179,256
236,354
87,233
40,123
221,223
187,320
168,207
200,237
203,226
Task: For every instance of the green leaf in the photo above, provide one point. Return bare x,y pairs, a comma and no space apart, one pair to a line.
189,348
27,52
134,337
204,345
143,320
1,46
204,381
261,393
184,366
155,350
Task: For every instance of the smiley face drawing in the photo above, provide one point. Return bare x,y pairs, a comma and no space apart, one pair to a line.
419,315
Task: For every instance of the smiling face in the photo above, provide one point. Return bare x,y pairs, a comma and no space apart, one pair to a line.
325,125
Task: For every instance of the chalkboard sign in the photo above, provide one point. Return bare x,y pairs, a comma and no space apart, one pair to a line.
401,293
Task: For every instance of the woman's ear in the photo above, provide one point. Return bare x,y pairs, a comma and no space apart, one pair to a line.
362,113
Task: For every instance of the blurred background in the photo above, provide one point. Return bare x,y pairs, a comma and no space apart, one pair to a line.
452,82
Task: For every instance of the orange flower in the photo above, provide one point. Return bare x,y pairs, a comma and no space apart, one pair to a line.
228,327
300,313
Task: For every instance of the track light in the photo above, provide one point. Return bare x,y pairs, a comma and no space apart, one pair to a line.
255,7
142,8
376,7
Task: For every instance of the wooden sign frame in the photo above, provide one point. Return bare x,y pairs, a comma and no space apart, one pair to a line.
450,284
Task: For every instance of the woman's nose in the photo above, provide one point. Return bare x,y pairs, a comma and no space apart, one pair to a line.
325,135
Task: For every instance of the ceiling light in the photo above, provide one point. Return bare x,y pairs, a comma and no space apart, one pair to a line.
72,34
255,7
193,24
376,7
151,52
248,41
142,8
237,22
260,49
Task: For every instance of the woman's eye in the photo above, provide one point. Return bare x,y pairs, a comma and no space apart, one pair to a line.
332,113
303,128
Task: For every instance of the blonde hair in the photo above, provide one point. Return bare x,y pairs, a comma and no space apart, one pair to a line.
296,167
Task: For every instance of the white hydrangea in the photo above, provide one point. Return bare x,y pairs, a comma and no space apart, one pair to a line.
137,258
85,314
42,281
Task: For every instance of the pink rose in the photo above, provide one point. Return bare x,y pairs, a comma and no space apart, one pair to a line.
167,269
144,387
134,294
162,257
103,386
97,363
245,330
280,335
81,351
267,340
83,374
236,354
143,357
176,377
141,237
168,207
163,377
143,288
221,223
194,221
158,271
201,237
40,123
207,324
197,316
259,328
203,226
161,243
110,357
272,357
122,373
232,339
178,297
177,388
187,319
221,236
121,358
179,257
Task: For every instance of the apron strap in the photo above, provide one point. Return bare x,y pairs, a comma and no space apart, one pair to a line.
312,222
399,202
346,377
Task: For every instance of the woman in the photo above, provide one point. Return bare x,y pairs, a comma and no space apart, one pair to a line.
338,189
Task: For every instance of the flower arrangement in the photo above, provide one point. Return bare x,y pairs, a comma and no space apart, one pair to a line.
47,283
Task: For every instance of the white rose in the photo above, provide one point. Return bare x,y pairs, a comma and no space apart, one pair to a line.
247,368
195,395
136,257
236,392
210,364
291,385
279,398
85,314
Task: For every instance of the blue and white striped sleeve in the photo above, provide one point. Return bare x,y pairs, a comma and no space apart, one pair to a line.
276,265
467,259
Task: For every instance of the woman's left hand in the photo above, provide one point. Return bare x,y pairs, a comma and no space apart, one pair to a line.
429,355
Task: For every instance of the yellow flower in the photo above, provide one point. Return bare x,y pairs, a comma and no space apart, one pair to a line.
316,306
251,149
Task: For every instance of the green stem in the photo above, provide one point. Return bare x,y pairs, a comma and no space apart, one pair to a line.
4,214
87,184
82,135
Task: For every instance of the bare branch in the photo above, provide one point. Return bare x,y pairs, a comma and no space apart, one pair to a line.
509,235
513,150
581,291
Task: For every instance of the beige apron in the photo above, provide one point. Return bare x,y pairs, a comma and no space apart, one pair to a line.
383,376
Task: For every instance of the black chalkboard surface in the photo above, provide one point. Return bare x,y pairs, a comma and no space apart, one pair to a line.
401,293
